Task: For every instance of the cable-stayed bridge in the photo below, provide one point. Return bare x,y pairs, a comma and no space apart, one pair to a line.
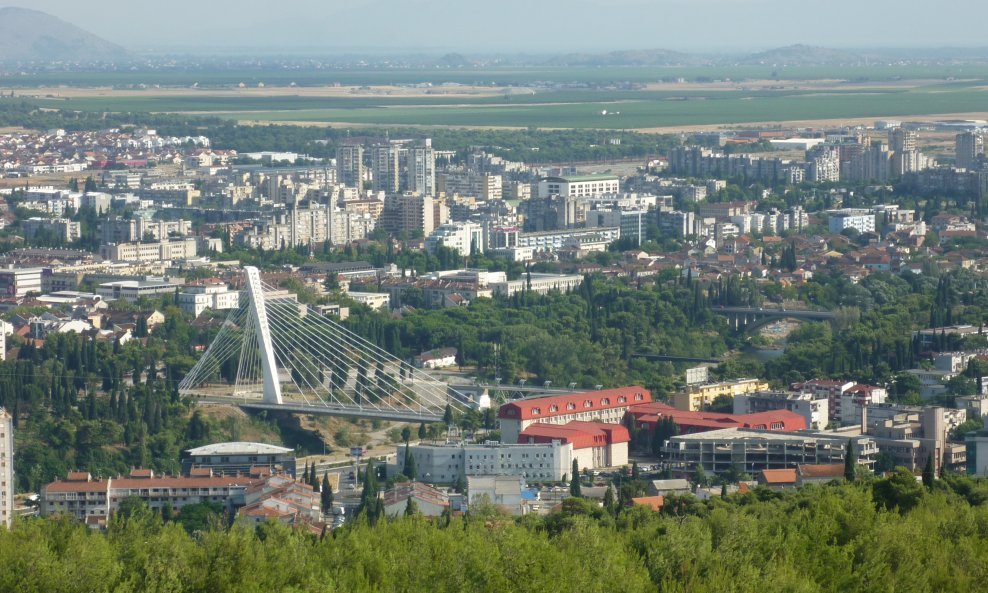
273,353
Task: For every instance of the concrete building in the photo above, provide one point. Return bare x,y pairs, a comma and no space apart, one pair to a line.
216,296
594,444
6,468
235,458
579,186
350,165
386,166
633,223
60,229
860,219
538,283
967,147
814,410
504,492
421,169
445,463
280,498
413,214
132,290
752,451
93,501
374,300
463,237
167,250
696,397
138,229
607,406
18,282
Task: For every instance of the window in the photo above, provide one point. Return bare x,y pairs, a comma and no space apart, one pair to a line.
587,404
622,399
536,411
605,402
639,397
570,406
553,408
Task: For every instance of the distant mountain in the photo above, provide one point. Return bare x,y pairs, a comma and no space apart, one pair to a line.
34,36
644,57
801,55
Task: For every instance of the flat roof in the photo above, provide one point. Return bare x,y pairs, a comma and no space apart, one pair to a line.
239,448
579,178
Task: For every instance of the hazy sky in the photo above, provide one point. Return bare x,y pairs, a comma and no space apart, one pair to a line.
525,25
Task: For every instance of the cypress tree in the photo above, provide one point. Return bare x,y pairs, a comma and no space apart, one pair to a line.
929,472
850,462
574,481
326,495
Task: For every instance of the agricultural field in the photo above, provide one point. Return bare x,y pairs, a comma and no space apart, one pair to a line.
711,99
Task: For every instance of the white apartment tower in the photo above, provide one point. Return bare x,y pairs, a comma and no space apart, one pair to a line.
421,171
6,468
967,147
350,165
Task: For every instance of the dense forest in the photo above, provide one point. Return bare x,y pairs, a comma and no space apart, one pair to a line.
889,534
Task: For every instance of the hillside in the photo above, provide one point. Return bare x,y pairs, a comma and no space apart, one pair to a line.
34,36
802,55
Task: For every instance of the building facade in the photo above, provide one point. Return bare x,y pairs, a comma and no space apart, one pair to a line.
607,406
6,468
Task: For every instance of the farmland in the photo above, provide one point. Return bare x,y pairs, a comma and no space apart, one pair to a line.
477,98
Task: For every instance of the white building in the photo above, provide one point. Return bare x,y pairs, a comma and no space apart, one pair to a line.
62,229
463,237
862,220
172,249
132,290
579,186
538,283
374,300
218,297
445,463
18,282
501,491
6,468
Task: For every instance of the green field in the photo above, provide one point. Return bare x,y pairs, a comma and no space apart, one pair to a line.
483,76
575,109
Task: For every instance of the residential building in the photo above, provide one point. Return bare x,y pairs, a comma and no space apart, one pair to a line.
19,282
166,250
386,166
645,417
350,165
860,219
6,468
93,501
216,296
967,147
429,501
60,229
235,458
579,186
815,411
413,214
466,238
607,406
697,397
280,498
438,358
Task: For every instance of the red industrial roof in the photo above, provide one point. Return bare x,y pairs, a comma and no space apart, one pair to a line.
573,403
779,476
779,420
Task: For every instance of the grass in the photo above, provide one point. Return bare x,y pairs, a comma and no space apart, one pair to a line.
483,76
566,109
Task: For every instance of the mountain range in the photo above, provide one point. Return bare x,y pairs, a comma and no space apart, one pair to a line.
34,36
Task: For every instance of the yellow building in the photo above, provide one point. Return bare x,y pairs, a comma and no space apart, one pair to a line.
698,396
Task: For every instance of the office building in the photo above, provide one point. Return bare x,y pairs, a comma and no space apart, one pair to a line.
19,282
465,238
446,463
166,250
132,290
233,458
579,186
211,295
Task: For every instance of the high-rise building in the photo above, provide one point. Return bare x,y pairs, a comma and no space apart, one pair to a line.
6,468
967,147
350,165
901,139
420,174
386,166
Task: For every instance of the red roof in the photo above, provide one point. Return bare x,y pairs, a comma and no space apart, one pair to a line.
559,405
778,476
580,434
654,502
689,422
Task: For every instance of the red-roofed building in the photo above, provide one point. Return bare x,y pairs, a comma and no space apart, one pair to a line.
647,415
608,406
595,444
93,501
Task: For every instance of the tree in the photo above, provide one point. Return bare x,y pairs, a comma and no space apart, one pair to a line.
312,476
423,432
635,472
326,495
411,508
700,476
574,483
610,505
929,472
409,470
850,462
406,435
